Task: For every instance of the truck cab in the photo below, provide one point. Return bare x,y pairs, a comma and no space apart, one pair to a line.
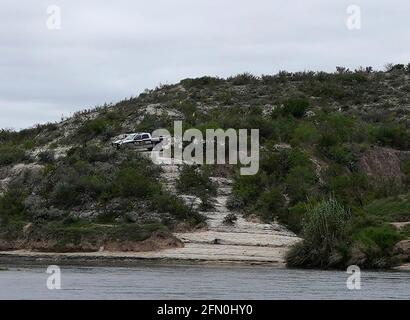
140,140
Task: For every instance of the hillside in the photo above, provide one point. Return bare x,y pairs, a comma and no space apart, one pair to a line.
330,142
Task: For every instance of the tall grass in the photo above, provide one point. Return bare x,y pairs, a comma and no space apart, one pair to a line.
324,232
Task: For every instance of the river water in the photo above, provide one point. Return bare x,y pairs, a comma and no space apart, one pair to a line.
199,282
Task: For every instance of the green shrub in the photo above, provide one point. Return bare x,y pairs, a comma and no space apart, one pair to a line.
94,127
328,139
11,206
376,246
393,135
80,235
406,170
46,157
276,163
167,203
324,230
131,182
195,180
248,188
384,237
91,153
300,183
243,79
328,90
201,82
342,155
305,134
10,154
29,144
65,195
93,185
293,217
390,209
270,204
325,224
351,188
297,107
336,128
282,128
105,127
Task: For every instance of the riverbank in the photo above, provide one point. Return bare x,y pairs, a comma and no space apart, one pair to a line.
247,241
403,267
123,259
135,259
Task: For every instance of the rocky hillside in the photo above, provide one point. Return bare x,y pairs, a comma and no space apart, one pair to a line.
343,135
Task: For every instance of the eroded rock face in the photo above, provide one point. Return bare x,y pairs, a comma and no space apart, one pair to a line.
403,250
159,240
19,171
383,163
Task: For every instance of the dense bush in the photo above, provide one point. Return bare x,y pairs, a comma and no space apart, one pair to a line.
165,202
297,107
247,189
405,166
300,183
393,135
243,79
78,236
88,179
10,154
351,188
270,204
11,206
324,231
306,134
325,224
195,180
131,182
90,154
200,82
374,247
384,237
46,157
105,126
396,208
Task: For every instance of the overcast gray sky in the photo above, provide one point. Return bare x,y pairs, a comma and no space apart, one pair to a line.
106,51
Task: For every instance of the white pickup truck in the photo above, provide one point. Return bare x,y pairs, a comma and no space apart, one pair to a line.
141,140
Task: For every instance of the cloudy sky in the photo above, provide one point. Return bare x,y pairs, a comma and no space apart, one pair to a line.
107,51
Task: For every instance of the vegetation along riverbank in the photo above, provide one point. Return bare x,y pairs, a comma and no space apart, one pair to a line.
332,187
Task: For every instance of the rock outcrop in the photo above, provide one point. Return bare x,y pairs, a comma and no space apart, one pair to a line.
245,240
